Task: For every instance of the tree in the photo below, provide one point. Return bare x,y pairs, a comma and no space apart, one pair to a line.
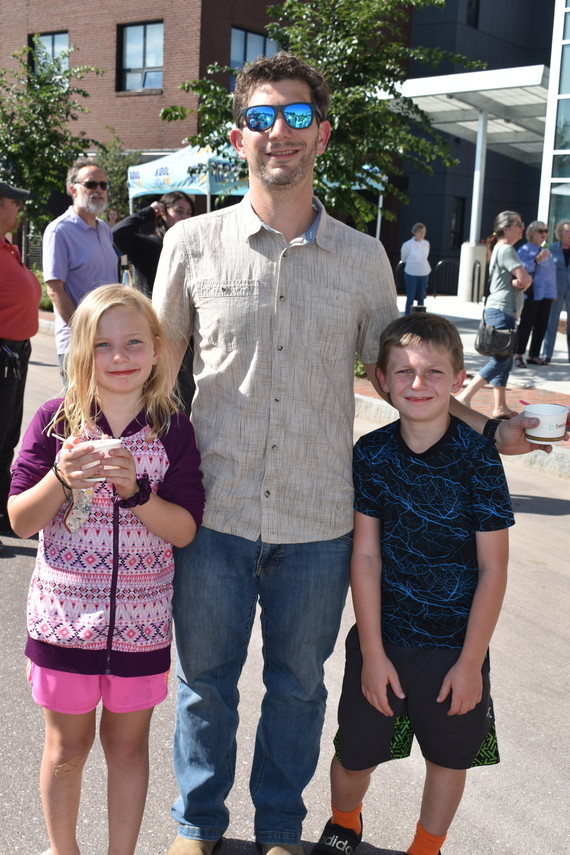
36,106
115,163
362,49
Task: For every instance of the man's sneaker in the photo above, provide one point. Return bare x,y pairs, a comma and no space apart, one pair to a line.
337,840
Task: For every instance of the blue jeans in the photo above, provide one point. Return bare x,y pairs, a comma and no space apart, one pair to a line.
496,371
416,286
301,590
563,297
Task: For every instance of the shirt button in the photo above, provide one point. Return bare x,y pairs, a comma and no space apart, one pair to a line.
282,297
276,400
279,347
273,447
267,494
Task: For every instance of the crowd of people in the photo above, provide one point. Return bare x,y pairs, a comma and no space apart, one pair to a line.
225,512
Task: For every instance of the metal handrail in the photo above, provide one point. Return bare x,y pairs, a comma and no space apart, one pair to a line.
476,286
434,274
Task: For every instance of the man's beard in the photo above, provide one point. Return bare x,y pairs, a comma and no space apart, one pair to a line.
92,206
89,204
288,179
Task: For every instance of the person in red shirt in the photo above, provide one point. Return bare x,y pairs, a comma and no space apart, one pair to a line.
20,294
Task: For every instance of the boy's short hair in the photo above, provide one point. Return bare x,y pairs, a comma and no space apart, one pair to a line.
281,66
421,328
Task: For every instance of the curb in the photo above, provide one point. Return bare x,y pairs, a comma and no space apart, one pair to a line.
46,326
556,463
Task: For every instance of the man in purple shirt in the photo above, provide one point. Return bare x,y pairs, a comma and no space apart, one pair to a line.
78,253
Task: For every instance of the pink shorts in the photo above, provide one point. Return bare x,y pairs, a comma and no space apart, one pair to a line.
76,694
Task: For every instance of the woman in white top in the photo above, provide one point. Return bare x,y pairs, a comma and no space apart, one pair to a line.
417,268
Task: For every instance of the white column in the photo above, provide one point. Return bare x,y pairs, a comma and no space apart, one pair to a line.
479,178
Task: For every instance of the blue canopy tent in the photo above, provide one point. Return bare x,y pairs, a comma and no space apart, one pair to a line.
194,170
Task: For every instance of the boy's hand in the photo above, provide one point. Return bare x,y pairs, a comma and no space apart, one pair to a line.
465,684
377,674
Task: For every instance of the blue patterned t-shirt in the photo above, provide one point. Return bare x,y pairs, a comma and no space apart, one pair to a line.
430,506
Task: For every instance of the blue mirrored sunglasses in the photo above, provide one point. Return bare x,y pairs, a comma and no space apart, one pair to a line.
263,116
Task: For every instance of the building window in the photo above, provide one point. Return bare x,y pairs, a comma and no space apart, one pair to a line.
53,44
247,46
472,19
562,134
457,222
140,48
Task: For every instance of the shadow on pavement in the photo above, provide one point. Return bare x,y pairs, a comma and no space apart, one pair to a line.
541,505
233,846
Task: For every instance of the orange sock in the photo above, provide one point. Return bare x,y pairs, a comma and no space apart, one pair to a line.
348,819
425,843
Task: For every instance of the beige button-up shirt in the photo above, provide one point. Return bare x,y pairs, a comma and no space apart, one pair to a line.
276,327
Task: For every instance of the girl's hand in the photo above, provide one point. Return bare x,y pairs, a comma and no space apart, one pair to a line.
159,209
120,471
78,462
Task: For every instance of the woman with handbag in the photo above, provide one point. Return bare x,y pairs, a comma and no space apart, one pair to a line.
507,281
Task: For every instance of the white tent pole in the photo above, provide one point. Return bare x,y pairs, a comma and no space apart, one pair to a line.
479,177
379,215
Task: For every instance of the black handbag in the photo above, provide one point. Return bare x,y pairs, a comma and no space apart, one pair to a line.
490,341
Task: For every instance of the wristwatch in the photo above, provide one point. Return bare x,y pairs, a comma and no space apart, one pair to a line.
490,429
141,497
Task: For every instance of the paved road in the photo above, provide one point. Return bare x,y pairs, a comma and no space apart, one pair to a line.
516,807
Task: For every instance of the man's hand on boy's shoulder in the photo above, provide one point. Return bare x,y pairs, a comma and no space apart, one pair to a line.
510,438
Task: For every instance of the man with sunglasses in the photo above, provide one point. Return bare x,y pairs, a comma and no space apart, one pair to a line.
78,252
278,297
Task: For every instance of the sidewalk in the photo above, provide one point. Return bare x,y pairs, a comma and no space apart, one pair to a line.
534,384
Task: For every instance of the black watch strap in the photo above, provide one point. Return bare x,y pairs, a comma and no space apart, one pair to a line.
490,429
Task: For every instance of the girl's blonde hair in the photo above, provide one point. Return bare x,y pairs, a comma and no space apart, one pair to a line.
81,405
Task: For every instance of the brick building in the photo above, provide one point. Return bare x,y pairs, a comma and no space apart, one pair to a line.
146,50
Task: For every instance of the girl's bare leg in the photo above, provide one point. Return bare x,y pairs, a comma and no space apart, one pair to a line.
124,737
501,407
68,740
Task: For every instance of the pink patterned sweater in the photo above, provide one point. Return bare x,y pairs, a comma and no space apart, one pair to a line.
99,600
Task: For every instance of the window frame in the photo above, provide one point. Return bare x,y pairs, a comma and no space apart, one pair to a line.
122,71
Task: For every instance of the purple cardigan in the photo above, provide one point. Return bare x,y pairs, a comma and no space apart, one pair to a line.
99,600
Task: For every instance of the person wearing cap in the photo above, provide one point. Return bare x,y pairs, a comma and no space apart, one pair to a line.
78,252
20,294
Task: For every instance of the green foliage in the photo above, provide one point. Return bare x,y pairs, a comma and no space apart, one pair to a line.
115,163
359,369
36,106
45,304
362,49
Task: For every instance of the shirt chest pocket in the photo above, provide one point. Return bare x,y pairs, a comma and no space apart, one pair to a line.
227,312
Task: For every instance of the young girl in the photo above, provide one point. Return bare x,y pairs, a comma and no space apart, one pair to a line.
99,604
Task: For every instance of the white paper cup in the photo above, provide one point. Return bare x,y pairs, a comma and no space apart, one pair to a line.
551,426
102,445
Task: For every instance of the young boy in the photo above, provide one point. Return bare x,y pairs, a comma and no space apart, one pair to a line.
428,575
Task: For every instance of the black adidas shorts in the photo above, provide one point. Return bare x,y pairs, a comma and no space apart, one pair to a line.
366,737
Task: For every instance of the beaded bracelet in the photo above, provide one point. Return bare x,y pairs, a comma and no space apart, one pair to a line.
63,483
